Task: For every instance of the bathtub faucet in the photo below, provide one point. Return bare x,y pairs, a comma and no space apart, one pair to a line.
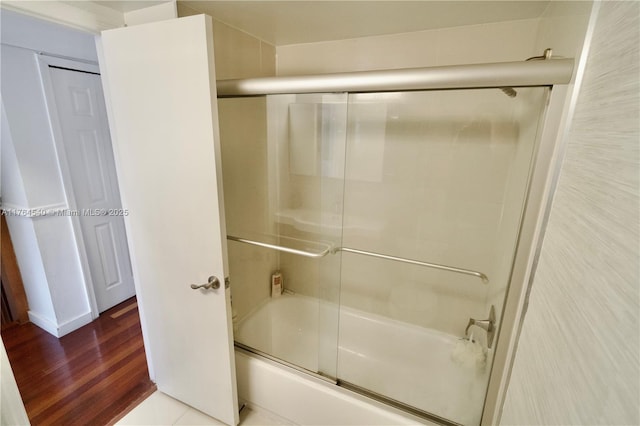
489,325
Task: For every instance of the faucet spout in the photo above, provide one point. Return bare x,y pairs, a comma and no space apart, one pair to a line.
488,325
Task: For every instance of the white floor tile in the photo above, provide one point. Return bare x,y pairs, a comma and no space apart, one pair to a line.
195,417
256,417
158,409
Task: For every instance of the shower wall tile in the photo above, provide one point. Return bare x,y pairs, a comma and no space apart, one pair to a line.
429,200
495,42
246,191
562,28
441,192
307,185
410,294
359,54
250,274
244,162
267,59
237,54
453,176
446,225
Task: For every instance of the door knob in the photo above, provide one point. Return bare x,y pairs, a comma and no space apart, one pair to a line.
213,283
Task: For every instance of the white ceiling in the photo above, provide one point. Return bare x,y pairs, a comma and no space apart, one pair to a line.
293,22
128,5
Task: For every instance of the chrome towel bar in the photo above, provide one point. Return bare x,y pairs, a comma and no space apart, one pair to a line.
327,249
480,275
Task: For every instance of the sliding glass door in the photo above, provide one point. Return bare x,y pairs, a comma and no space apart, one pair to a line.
435,183
283,163
391,221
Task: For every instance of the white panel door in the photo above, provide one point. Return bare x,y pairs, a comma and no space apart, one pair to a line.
87,144
160,81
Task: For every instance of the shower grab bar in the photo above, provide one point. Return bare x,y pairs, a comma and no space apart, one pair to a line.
328,250
480,275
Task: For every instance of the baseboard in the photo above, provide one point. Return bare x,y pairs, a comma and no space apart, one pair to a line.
60,330
74,324
44,323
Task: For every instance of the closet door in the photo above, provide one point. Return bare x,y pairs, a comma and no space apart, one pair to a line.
160,86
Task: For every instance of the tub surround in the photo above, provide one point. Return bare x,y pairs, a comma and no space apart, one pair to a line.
372,354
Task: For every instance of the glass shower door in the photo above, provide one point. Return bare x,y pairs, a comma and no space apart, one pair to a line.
435,183
283,162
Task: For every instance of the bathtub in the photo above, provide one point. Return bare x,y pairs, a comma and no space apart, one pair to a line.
402,361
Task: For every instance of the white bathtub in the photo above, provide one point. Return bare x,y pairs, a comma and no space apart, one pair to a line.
404,362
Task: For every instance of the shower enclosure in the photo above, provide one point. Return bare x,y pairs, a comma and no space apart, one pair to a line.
393,218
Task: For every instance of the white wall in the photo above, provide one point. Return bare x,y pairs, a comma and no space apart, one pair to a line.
82,15
45,246
90,16
495,42
578,355
25,242
30,33
12,185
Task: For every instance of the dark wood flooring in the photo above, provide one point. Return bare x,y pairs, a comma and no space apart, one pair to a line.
91,376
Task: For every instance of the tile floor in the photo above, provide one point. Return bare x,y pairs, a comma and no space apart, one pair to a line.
160,409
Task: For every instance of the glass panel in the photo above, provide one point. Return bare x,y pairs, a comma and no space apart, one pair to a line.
283,162
440,177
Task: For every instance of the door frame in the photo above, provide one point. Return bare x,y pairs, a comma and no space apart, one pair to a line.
12,278
545,160
44,61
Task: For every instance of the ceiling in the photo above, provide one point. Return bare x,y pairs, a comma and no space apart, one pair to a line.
128,5
293,22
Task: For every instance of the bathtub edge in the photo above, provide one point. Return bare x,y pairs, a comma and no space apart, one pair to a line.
303,399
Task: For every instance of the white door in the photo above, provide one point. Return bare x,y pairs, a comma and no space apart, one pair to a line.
160,84
85,135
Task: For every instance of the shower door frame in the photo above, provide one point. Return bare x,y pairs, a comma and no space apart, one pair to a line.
543,175
541,182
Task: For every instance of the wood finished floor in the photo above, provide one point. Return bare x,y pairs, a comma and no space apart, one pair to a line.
91,376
